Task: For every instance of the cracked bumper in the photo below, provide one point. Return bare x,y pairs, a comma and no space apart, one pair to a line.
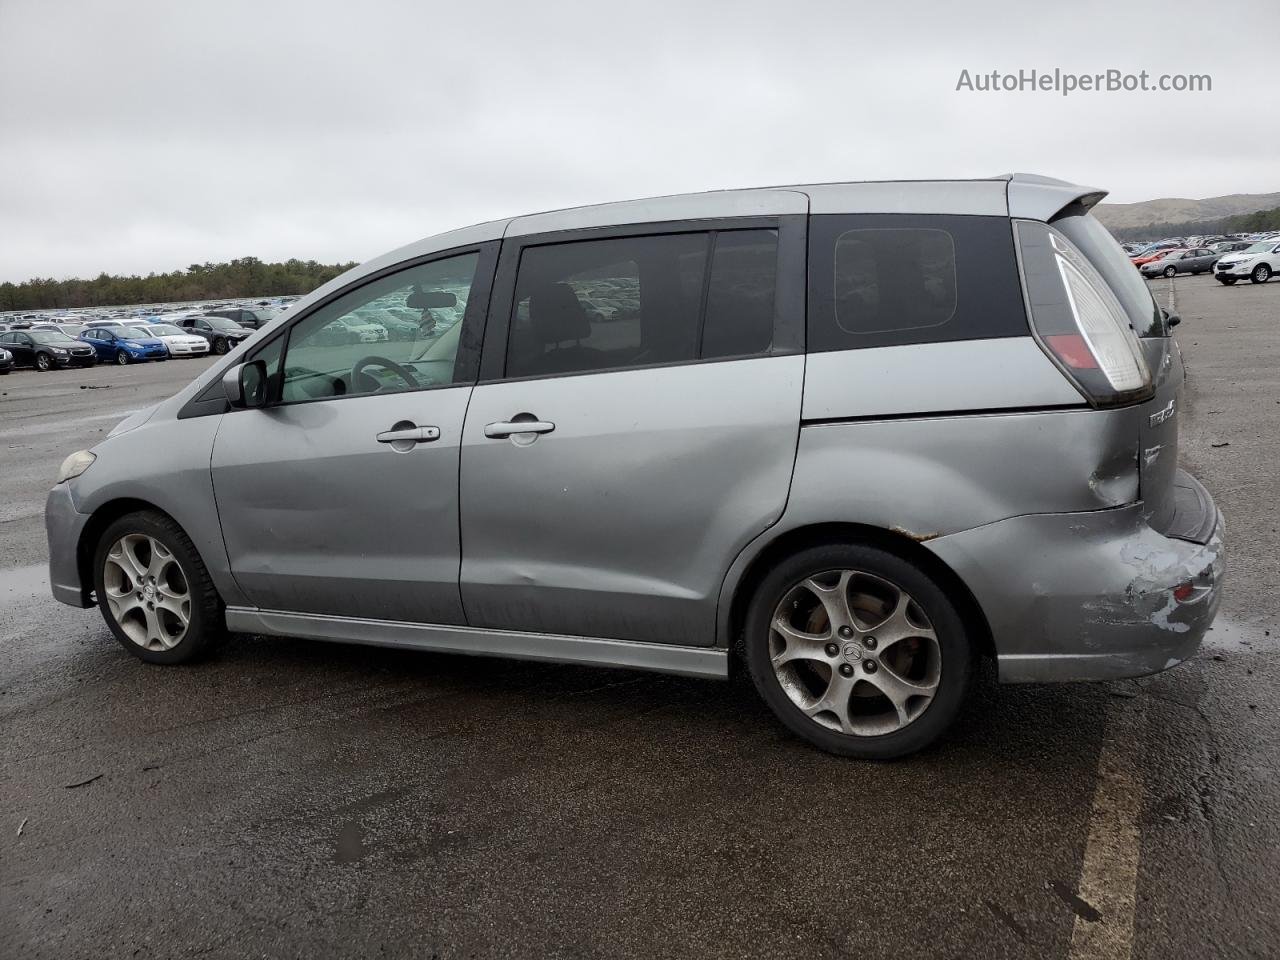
1089,596
63,525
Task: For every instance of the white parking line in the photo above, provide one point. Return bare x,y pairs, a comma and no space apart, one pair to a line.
1109,876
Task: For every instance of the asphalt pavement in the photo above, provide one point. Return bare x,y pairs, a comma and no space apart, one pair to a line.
288,798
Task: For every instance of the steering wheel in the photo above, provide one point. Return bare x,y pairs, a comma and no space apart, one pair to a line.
361,382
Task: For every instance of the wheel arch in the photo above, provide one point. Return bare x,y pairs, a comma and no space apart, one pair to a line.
800,538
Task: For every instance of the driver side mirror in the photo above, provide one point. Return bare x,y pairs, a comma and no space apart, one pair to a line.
246,385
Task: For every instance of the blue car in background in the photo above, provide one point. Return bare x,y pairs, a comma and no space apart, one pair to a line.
124,344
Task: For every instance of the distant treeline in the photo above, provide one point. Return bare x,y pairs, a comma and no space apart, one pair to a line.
1240,223
246,277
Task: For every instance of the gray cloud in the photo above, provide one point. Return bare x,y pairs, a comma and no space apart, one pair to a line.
145,135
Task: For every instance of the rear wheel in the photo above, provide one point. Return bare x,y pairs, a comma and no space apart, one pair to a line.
154,591
1261,273
43,363
858,651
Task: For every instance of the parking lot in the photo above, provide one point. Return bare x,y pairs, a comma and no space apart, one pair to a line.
288,797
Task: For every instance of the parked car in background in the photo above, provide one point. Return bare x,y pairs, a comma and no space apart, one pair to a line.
6,361
46,349
249,319
1153,256
704,473
179,342
354,329
1258,263
1196,261
1229,246
220,333
72,330
122,345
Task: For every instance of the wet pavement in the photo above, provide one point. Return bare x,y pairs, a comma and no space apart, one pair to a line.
288,798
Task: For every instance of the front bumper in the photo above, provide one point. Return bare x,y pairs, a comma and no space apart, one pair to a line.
1239,271
1089,596
63,526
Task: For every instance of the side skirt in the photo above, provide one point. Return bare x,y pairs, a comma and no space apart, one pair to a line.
594,651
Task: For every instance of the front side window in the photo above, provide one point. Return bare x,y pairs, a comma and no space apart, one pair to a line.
640,301
397,333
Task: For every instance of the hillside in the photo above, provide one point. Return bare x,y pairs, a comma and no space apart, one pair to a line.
1130,216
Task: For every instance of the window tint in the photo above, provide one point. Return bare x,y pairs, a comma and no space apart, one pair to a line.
741,294
412,319
879,280
636,301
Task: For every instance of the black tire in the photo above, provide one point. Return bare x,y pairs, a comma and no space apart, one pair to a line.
219,345
953,641
1170,272
42,363
1261,274
1226,281
122,358
206,625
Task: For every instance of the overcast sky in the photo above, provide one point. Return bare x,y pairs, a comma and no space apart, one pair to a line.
139,136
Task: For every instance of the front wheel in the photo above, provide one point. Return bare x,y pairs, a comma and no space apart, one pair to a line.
122,358
220,345
154,591
1170,272
43,363
858,651
1261,273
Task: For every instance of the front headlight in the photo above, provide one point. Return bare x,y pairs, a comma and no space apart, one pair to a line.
74,465
59,351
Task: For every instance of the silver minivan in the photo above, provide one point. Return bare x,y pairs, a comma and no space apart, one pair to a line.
849,436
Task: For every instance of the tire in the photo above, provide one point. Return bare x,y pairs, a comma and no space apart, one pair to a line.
146,616
122,358
42,363
1170,272
1226,281
1261,274
939,655
219,345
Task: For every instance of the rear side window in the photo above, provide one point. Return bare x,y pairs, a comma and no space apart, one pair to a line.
879,280
639,301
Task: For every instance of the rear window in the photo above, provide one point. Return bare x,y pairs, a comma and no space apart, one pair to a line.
1109,259
878,280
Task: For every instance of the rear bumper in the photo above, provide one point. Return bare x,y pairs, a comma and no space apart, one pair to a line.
1090,596
63,526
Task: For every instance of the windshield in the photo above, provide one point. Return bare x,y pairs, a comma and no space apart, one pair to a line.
1109,259
50,337
1262,246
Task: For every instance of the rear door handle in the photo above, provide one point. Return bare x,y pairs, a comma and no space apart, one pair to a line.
399,434
505,428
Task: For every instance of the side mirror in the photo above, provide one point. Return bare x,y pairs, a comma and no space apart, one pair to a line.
246,385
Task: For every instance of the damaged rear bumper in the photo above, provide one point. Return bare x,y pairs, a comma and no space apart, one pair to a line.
1091,596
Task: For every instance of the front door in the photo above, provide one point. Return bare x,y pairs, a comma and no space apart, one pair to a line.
638,430
341,496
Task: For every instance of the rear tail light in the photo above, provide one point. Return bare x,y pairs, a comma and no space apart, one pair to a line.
1078,320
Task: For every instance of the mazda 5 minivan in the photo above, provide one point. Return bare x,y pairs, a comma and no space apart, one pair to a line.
850,436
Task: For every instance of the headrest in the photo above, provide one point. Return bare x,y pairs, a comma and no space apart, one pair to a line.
556,314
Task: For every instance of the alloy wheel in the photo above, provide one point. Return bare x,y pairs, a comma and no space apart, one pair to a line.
147,592
42,362
220,345
1261,273
855,653
121,357
1170,271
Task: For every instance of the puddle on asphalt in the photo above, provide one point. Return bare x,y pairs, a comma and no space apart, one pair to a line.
21,582
1229,635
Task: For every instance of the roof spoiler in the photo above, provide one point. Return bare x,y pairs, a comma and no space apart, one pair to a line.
1032,197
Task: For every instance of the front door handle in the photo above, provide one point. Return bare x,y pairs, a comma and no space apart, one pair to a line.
409,434
506,428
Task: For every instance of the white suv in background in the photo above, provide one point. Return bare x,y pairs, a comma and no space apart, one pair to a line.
1258,262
